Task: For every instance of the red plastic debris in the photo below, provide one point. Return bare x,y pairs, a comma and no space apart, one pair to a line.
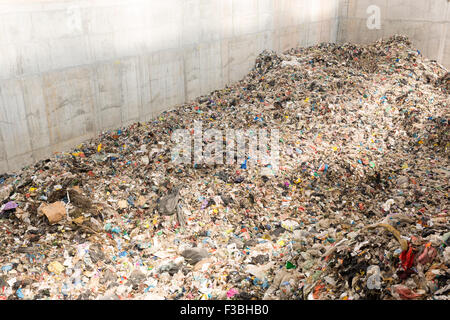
407,258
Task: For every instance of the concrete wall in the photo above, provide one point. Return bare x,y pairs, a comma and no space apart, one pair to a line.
69,69
72,68
425,22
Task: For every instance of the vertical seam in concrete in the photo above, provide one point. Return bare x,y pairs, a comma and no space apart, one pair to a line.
2,139
94,85
343,5
138,89
150,85
26,117
184,78
444,31
121,91
139,76
308,24
276,25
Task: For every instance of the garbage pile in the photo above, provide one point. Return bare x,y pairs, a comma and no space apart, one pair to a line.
357,210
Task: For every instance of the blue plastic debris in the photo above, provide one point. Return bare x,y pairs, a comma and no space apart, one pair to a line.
7,268
19,293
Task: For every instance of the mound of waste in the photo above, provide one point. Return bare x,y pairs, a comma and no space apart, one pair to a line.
358,208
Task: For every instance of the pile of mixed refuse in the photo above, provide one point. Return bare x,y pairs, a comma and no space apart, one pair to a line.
358,209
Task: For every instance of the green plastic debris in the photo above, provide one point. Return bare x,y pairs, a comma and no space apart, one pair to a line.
289,265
